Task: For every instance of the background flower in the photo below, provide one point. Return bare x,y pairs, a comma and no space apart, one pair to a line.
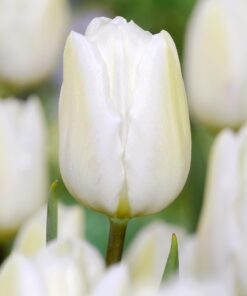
23,170
32,35
216,62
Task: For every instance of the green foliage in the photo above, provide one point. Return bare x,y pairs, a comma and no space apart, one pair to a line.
52,214
172,263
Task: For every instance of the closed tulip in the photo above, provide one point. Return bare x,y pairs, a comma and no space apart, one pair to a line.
23,169
216,63
32,35
123,122
222,232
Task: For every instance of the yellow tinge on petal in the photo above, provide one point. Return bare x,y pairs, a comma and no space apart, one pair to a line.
123,209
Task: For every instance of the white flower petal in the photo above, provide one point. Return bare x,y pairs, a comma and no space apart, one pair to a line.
20,277
23,170
32,236
90,150
115,282
215,63
157,155
147,255
69,267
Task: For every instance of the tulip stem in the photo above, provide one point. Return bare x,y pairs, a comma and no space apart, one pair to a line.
116,240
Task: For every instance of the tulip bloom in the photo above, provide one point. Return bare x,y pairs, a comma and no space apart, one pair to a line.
23,170
124,129
66,267
222,232
32,35
216,63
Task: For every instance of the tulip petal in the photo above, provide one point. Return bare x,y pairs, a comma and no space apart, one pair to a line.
20,277
217,244
225,205
115,282
70,267
23,174
31,237
147,255
215,63
157,156
121,45
90,148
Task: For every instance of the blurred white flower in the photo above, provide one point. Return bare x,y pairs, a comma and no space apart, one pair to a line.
23,167
70,267
143,264
31,238
32,35
214,287
66,267
123,121
117,282
216,62
20,277
222,232
147,255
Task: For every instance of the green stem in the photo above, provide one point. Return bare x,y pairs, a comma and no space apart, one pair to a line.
116,240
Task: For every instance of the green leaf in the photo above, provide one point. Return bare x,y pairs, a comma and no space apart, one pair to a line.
172,263
52,211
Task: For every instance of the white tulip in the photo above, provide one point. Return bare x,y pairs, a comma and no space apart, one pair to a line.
69,267
115,282
65,268
31,238
222,232
142,267
216,63
214,287
147,255
188,262
20,277
123,122
32,35
23,170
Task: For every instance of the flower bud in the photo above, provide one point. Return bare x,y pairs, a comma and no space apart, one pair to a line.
32,35
23,171
123,122
216,63
222,232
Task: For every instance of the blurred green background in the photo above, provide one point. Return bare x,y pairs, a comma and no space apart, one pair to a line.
152,15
